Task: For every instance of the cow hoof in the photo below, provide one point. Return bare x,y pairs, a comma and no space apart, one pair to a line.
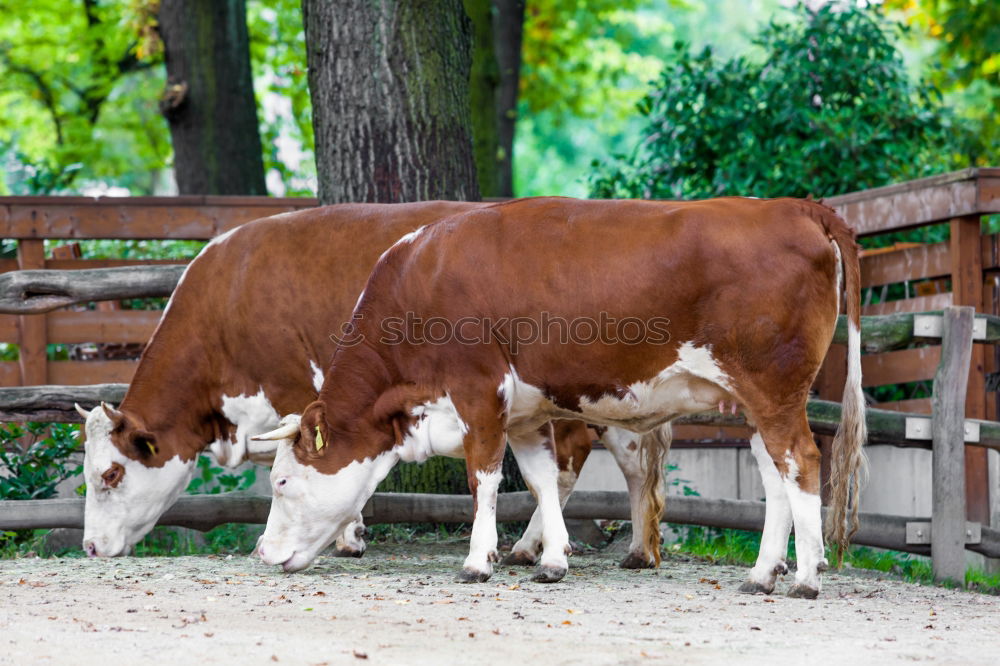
800,591
472,576
822,566
637,561
347,552
520,558
780,569
546,574
753,587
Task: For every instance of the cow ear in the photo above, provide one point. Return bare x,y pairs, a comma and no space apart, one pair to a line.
313,435
143,443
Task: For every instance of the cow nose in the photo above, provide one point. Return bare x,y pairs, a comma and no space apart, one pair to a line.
90,548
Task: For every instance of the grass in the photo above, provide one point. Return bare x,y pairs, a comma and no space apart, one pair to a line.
724,546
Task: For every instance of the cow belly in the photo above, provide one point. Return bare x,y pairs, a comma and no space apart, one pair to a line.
693,383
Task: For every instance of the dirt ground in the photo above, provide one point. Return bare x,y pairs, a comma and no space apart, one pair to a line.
399,605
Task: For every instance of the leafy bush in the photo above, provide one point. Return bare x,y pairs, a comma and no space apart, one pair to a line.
212,480
34,470
827,109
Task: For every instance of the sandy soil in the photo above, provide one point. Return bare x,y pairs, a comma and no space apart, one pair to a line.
399,605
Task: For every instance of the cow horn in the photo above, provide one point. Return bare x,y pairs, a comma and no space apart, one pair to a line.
81,411
286,431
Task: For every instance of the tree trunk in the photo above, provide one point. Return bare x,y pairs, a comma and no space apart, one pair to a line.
209,100
389,81
483,97
507,30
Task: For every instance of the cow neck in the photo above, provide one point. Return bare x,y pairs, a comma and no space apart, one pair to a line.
357,377
169,397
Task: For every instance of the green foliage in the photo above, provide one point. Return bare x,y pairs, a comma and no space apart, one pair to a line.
78,104
212,480
278,60
231,538
965,62
801,120
36,462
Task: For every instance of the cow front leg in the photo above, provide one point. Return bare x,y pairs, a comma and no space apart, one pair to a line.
536,460
478,565
484,447
351,543
572,447
777,524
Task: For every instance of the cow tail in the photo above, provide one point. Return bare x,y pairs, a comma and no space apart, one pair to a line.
848,462
654,448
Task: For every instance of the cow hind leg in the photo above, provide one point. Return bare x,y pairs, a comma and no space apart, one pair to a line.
572,447
797,460
624,448
777,525
536,460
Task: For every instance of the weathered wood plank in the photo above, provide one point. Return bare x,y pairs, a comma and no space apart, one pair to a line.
948,433
967,287
927,260
206,511
897,367
914,406
40,291
83,373
909,204
31,338
895,331
915,304
196,218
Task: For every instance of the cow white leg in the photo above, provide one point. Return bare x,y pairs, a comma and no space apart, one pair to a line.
478,565
351,542
624,448
809,552
538,466
572,444
777,524
525,552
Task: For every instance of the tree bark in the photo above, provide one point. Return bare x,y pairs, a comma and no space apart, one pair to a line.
389,81
209,100
483,97
507,31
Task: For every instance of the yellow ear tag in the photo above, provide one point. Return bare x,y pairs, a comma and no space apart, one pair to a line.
319,439
152,449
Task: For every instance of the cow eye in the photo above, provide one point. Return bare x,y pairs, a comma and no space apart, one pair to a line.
113,476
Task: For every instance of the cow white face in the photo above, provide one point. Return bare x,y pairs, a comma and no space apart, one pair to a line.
310,509
124,496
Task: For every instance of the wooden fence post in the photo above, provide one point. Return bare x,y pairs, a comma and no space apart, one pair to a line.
967,289
948,433
32,338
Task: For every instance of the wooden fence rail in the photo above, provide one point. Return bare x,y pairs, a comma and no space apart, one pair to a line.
203,512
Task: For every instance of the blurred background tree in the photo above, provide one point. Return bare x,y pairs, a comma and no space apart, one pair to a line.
208,100
828,107
957,42
80,82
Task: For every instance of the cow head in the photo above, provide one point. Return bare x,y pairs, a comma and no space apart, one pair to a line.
310,508
130,482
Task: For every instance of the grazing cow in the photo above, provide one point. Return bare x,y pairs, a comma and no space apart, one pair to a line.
242,340
751,289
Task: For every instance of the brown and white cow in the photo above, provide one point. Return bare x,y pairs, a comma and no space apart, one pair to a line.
242,341
751,289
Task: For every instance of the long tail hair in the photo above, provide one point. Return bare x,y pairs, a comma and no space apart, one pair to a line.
654,448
